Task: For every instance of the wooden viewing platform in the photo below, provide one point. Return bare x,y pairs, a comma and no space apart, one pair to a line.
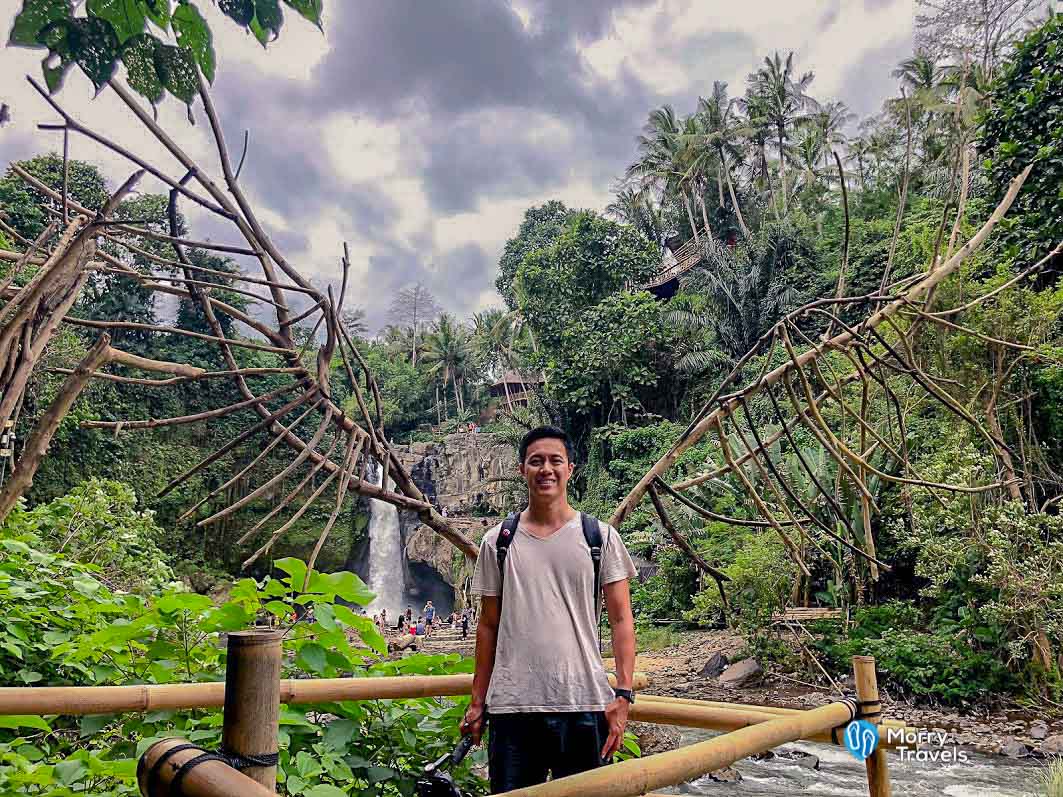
253,692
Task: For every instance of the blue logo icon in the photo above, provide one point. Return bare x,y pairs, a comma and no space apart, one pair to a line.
861,738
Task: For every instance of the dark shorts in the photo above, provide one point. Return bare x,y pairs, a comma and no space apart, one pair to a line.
523,748
428,621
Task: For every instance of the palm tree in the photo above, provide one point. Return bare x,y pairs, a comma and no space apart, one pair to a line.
637,208
721,131
664,158
859,148
784,100
447,355
830,119
354,322
402,341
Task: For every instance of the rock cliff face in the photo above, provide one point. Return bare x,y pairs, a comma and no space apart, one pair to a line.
427,549
463,473
467,470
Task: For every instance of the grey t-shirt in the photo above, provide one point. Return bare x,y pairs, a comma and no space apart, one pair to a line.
546,655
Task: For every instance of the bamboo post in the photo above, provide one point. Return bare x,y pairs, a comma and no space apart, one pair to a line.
209,778
252,701
878,776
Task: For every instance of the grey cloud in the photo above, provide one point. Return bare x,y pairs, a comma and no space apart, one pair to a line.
869,81
829,15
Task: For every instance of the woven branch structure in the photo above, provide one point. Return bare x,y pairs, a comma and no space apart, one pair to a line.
841,390
302,414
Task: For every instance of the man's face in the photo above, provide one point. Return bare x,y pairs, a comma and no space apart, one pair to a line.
546,468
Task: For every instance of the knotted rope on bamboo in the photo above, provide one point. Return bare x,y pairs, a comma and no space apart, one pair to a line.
176,768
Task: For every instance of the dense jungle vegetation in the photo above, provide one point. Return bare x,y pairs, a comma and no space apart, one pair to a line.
105,580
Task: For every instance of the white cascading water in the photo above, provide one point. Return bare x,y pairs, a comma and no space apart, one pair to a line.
386,577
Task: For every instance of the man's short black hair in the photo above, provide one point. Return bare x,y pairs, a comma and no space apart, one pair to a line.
542,433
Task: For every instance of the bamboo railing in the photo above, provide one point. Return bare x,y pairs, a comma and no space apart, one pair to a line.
253,692
81,700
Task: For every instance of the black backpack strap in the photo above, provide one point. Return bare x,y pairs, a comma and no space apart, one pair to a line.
505,539
592,533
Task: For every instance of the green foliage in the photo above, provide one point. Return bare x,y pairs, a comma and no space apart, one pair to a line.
118,30
97,523
1022,127
762,575
541,227
935,664
24,207
62,625
594,341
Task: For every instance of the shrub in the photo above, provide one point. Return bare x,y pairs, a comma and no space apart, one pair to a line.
62,625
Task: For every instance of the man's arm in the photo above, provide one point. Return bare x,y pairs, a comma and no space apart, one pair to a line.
622,622
486,637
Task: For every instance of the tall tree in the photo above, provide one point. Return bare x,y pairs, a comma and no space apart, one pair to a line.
784,101
414,307
541,227
448,356
721,131
976,29
665,157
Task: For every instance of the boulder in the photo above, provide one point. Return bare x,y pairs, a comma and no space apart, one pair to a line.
747,672
655,738
714,665
726,775
1013,748
1038,730
1053,745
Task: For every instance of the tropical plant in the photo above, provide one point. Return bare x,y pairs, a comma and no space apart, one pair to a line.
448,357
782,98
110,32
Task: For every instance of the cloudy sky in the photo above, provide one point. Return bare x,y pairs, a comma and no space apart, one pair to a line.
419,132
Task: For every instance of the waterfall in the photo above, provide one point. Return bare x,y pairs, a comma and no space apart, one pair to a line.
386,576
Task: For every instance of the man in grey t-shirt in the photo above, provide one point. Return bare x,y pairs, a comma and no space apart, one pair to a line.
540,683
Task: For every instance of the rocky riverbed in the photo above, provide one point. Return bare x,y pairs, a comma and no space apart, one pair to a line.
679,672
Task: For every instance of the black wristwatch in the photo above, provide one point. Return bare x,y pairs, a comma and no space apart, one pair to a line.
627,694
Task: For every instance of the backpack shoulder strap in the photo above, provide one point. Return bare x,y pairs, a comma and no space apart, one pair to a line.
505,539
592,533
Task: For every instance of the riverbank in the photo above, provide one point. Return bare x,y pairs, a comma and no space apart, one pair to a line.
676,671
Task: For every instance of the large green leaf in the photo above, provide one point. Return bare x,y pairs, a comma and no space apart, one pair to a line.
25,721
34,17
311,658
188,601
296,568
177,71
158,11
93,44
193,34
240,11
325,790
311,9
127,17
138,55
268,20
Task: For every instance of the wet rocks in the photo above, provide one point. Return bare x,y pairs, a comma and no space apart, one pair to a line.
747,672
799,757
714,665
726,775
1053,745
1013,748
655,738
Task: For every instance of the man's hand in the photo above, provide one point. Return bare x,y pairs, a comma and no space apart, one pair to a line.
616,714
473,722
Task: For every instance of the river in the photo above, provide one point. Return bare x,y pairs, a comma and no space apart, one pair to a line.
841,774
